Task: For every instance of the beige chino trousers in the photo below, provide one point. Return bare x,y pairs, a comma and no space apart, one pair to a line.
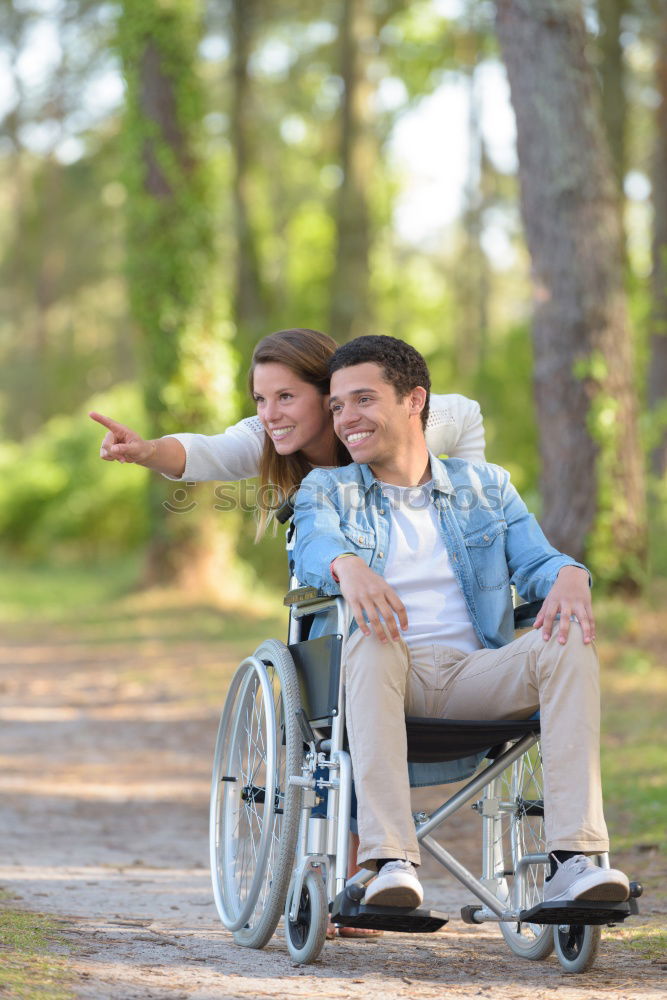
387,681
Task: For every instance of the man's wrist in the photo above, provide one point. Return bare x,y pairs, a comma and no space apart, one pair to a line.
579,569
343,555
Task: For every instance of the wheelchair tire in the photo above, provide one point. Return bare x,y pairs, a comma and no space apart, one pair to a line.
576,946
521,786
306,935
254,812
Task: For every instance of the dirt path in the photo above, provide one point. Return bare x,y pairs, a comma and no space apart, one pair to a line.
105,751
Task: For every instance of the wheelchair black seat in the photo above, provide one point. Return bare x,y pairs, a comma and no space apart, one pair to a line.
434,740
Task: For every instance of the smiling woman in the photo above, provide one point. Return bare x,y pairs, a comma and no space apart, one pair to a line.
289,381
293,429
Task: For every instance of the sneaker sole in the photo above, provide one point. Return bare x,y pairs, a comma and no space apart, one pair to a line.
606,893
598,892
397,895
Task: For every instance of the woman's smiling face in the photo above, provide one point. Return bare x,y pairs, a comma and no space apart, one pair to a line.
294,413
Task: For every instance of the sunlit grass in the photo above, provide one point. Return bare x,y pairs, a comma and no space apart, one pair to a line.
102,603
32,964
53,593
647,940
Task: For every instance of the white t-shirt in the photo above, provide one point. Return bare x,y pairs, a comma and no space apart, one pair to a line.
454,427
419,569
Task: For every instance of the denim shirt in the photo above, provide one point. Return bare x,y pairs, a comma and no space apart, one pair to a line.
491,538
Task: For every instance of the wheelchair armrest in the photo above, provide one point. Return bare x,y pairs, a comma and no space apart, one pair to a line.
300,596
525,614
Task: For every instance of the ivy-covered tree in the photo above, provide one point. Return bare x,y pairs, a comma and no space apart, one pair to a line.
187,375
350,292
250,313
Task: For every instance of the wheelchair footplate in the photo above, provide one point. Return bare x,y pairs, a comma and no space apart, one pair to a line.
582,911
349,912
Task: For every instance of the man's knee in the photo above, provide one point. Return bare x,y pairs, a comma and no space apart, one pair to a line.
574,655
368,658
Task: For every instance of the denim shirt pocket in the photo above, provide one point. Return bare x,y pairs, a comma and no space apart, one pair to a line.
362,540
486,552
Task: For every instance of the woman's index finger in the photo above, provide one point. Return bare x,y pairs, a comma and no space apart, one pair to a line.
107,422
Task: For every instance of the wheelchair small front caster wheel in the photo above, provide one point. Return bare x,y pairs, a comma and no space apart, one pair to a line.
576,946
307,933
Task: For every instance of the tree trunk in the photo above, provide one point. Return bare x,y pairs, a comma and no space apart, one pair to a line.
472,276
350,291
250,311
171,267
592,475
657,375
612,79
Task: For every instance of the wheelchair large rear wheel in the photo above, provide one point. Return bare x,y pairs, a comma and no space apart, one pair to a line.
254,810
521,831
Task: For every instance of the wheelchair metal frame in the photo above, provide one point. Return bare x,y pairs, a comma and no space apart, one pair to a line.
322,842
316,847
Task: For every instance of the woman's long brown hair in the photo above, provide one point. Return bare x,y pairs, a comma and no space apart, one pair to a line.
306,353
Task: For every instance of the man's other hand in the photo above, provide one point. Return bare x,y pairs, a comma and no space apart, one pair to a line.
366,591
570,595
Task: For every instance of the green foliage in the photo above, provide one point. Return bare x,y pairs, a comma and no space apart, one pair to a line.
57,497
613,559
504,388
65,332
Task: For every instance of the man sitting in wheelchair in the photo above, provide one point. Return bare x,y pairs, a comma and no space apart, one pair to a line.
424,551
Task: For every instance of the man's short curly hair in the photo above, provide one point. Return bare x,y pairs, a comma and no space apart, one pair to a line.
402,366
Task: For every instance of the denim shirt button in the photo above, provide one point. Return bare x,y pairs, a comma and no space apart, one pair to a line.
380,555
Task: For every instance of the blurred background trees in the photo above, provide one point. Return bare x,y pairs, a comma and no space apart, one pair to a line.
180,178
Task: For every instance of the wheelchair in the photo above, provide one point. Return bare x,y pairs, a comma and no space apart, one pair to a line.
281,746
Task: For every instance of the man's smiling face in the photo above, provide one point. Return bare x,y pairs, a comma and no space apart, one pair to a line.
369,418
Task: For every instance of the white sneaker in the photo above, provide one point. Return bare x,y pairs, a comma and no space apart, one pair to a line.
581,878
396,884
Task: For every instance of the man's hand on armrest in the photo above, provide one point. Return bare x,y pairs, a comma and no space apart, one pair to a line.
570,595
366,591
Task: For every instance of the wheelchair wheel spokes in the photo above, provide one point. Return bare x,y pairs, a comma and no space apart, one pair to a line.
249,822
254,810
527,823
520,831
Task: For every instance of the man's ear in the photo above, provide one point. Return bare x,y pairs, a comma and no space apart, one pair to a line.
417,397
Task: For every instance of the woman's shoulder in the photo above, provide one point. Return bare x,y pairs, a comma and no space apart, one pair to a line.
450,408
455,427
251,426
